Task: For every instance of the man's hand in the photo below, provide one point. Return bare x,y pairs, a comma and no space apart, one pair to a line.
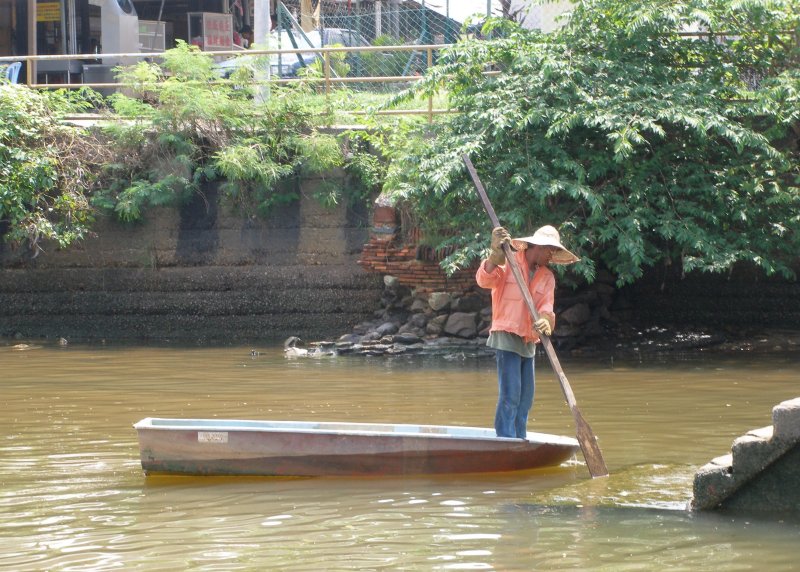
500,236
543,326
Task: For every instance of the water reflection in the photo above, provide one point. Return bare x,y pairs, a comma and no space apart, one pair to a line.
73,495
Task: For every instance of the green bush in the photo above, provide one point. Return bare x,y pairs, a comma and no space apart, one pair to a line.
185,128
645,146
43,168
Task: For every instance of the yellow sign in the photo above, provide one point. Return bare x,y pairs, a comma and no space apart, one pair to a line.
48,12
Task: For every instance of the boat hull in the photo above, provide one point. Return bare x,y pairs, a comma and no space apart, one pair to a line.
273,448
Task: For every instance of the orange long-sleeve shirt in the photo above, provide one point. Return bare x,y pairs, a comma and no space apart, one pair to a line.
509,311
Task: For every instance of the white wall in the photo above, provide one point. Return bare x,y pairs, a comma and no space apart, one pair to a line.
541,16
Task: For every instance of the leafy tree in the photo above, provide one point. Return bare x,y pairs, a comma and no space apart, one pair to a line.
644,142
43,168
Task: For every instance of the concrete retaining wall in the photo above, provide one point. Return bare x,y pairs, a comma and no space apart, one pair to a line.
198,273
201,273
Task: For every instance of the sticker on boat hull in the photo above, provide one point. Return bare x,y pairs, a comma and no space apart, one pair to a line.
212,436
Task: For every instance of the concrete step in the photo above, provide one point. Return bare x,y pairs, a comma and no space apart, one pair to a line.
752,455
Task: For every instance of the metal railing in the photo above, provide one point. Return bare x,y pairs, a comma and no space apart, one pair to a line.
328,78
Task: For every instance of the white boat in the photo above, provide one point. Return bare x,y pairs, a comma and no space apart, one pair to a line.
309,448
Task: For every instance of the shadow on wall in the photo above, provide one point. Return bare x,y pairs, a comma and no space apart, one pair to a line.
206,230
198,235
199,273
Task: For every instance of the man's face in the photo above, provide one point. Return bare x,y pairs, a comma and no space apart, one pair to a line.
540,255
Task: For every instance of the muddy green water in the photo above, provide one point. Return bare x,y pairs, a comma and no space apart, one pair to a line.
73,496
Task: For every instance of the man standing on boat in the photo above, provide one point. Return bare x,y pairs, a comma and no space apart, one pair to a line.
513,334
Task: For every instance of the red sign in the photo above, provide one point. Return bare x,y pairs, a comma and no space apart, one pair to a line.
217,32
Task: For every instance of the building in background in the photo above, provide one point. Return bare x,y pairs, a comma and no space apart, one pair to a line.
95,27
64,27
540,16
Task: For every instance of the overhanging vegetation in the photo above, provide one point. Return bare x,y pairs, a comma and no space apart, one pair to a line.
651,133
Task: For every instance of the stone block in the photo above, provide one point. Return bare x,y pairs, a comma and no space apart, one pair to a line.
713,483
418,320
462,324
577,314
564,330
439,301
724,461
469,303
786,420
755,451
436,325
774,490
763,432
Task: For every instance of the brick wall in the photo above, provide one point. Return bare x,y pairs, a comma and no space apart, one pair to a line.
409,265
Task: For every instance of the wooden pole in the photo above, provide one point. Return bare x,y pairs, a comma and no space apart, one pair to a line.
31,66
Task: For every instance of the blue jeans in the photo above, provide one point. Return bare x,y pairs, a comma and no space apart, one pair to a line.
515,395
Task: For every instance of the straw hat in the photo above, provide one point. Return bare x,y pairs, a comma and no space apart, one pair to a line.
547,236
